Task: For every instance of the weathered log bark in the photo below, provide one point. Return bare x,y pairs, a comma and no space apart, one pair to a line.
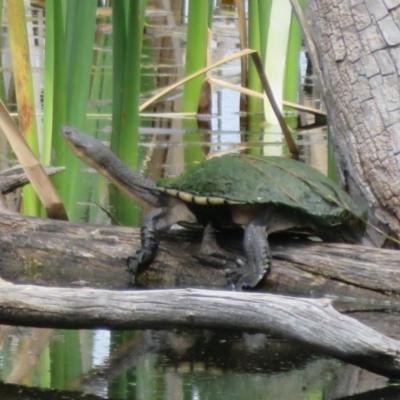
311,321
15,177
44,251
59,253
52,252
358,50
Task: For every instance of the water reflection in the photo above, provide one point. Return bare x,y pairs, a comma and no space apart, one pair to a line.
171,365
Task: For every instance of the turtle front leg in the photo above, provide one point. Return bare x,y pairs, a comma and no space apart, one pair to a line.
257,262
154,222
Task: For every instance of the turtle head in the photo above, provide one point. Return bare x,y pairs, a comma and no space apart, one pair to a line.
85,147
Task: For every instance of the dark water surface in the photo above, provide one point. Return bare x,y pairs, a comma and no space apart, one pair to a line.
171,365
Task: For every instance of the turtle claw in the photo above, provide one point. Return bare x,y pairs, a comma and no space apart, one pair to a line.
132,263
243,276
141,259
236,277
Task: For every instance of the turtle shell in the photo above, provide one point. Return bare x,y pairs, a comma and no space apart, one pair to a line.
246,179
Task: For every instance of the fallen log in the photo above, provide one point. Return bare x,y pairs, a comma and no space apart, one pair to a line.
52,252
311,321
42,251
15,177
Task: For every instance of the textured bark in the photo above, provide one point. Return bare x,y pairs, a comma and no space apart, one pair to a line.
311,321
13,178
43,251
358,50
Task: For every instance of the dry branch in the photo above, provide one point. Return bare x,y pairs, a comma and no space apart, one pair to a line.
15,177
311,321
32,166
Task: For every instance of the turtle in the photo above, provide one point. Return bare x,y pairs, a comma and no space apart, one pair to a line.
261,194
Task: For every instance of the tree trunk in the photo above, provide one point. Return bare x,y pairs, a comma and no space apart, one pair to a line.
358,56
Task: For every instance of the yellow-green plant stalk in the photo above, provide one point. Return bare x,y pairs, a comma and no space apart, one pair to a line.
128,22
253,82
285,132
128,114
196,59
292,73
55,99
332,170
254,43
32,166
274,64
242,25
275,56
24,89
119,55
258,20
2,87
264,16
100,94
80,28
196,52
80,32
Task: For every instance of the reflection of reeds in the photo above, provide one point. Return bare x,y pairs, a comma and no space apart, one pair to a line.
30,356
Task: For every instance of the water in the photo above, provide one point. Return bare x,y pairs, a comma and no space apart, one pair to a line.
176,365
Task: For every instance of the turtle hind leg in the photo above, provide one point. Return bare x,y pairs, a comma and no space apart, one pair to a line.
257,262
258,257
210,253
209,245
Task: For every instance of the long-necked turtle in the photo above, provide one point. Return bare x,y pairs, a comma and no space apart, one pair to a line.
261,194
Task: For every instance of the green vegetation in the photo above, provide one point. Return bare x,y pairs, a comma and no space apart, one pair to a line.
128,23
24,88
78,81
196,59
